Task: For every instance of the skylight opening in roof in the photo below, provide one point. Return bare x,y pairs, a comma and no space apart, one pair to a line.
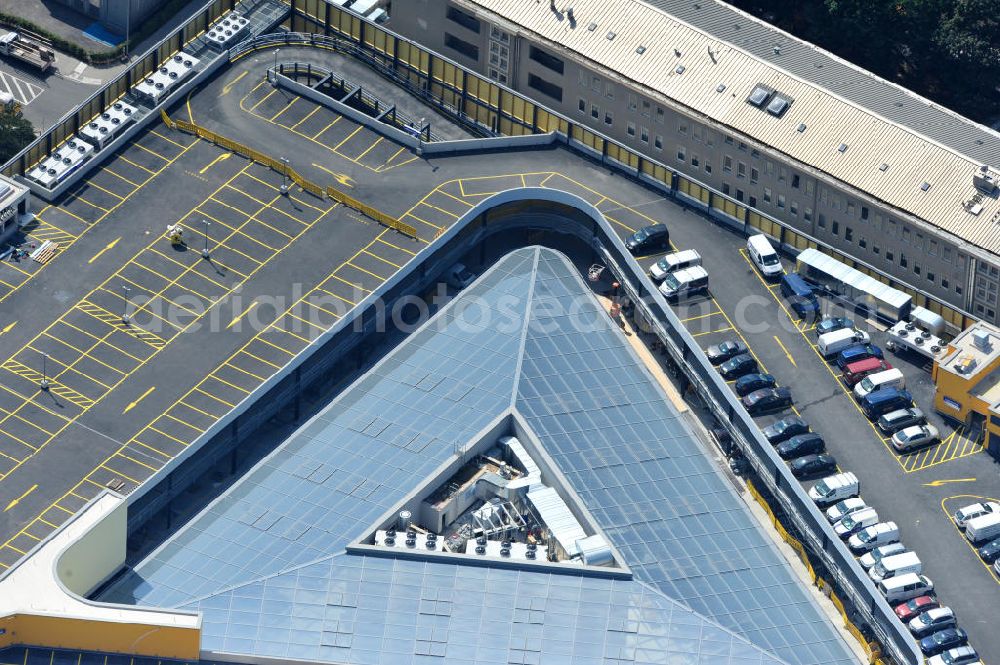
884,167
842,148
924,187
640,50
801,128
611,35
680,69
779,104
721,87
591,27
759,96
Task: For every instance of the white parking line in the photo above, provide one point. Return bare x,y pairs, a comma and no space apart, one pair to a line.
23,91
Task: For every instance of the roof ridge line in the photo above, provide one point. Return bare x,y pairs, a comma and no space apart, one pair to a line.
524,330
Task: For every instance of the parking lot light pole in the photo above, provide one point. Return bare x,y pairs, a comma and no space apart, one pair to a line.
126,317
284,177
276,52
204,253
44,383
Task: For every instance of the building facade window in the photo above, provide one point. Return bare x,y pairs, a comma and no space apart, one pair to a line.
644,134
633,101
546,60
682,127
835,228
647,108
767,195
582,106
727,164
659,115
464,19
848,234
754,174
609,90
708,167
695,162
741,170
595,112
680,154
781,201
468,49
609,118
545,87
658,142
631,129
793,208
795,181
807,214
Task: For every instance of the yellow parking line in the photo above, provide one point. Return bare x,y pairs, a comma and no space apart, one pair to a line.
236,251
422,221
117,473
351,284
81,351
91,335
165,138
701,316
462,201
71,214
375,275
305,340
106,191
402,249
317,134
308,115
138,166
152,152
283,109
240,369
263,99
322,309
183,422
202,412
169,436
348,138
396,154
69,367
152,295
135,461
383,260
77,197
144,307
709,332
266,362
280,348
217,399
120,177
447,212
305,321
359,157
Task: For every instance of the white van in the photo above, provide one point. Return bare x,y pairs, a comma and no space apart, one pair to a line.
983,528
892,566
871,537
904,587
686,258
832,343
834,488
763,255
890,378
855,522
684,282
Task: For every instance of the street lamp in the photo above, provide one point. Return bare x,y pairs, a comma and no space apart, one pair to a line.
44,383
204,253
276,52
126,318
128,27
420,137
284,177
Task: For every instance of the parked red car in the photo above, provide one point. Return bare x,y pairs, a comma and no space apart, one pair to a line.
915,607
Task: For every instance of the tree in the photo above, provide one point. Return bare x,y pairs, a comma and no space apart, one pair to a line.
15,133
970,33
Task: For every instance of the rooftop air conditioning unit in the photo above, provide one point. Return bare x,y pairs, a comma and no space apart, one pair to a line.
981,340
984,181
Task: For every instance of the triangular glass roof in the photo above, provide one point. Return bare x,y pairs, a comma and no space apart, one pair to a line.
266,562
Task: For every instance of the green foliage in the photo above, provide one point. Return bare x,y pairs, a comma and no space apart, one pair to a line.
15,133
946,50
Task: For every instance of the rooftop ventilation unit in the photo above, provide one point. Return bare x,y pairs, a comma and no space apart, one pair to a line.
227,31
591,27
59,165
884,167
965,364
801,128
984,181
640,49
981,340
842,148
779,104
924,187
167,77
102,129
759,96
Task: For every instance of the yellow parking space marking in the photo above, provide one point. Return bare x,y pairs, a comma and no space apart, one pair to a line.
396,154
339,297
447,212
155,450
138,166
258,358
116,323
305,321
135,402
184,422
282,349
342,178
787,354
73,369
709,332
302,339
92,336
106,191
217,399
269,206
80,351
243,371
119,176
701,316
452,196
351,284
55,386
322,309
171,437
422,221
152,152
939,483
348,138
315,137
115,472
77,197
187,269
361,156
307,116
153,295
72,214
966,498
136,308
135,461
402,249
369,272
262,100
166,138
284,108
110,245
187,405
382,259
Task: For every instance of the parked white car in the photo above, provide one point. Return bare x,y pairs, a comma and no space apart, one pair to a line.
966,513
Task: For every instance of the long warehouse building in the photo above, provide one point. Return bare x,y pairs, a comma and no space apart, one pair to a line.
860,164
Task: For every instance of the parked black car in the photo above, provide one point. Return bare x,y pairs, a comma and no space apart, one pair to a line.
720,353
738,366
949,638
803,444
785,429
813,465
750,382
767,400
648,239
990,552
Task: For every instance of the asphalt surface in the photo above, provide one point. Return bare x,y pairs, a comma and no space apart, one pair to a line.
125,399
44,98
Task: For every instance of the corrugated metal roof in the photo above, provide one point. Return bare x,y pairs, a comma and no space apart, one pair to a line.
830,119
